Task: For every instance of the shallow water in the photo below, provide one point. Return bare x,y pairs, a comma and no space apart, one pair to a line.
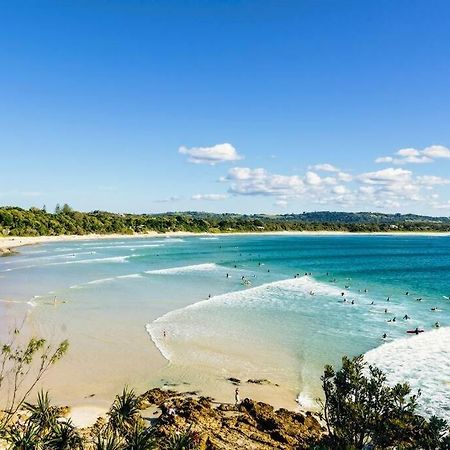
127,302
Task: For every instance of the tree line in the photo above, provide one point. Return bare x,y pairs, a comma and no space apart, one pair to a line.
64,220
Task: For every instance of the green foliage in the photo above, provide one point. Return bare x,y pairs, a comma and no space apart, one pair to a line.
42,414
109,442
63,436
23,437
37,222
187,440
124,412
140,438
22,366
360,408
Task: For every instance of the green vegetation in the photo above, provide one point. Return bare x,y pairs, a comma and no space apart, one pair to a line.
64,221
361,409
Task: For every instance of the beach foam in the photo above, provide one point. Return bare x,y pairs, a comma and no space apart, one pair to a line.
184,269
424,362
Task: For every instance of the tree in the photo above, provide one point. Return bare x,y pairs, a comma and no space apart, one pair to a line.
57,209
22,366
360,408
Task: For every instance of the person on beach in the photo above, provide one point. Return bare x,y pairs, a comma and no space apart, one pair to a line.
237,398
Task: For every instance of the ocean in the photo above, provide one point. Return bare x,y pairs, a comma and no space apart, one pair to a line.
194,311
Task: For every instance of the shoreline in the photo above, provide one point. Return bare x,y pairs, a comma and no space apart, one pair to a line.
7,244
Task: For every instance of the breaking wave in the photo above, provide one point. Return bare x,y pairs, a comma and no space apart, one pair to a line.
424,362
183,269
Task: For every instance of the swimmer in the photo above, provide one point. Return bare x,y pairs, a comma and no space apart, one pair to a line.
386,311
353,302
388,299
384,336
228,275
372,303
406,293
342,294
437,325
419,299
434,309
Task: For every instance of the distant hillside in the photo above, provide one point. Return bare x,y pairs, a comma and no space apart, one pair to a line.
37,222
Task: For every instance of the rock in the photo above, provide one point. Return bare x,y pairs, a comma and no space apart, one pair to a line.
253,425
261,381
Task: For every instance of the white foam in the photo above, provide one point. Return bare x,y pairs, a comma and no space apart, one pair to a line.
131,275
306,401
184,269
209,238
113,259
100,281
424,362
250,297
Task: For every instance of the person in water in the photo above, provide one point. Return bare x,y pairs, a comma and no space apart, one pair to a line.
437,325
384,336
406,317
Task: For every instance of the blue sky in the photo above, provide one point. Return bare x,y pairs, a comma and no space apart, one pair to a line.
244,106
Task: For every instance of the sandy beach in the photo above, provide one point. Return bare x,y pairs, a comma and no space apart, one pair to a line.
7,244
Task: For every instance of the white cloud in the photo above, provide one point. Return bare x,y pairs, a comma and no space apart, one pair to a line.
384,159
385,176
432,180
345,177
209,197
312,179
415,156
408,152
437,151
281,203
247,181
340,190
211,155
325,167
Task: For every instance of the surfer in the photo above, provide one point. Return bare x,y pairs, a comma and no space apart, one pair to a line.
372,303
388,299
437,325
406,317
228,275
434,308
406,293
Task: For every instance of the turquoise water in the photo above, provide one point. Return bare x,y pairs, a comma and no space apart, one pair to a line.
283,322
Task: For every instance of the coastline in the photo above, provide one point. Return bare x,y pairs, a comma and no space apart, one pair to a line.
7,244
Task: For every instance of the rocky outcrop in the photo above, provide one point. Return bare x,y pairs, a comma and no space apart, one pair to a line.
251,425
